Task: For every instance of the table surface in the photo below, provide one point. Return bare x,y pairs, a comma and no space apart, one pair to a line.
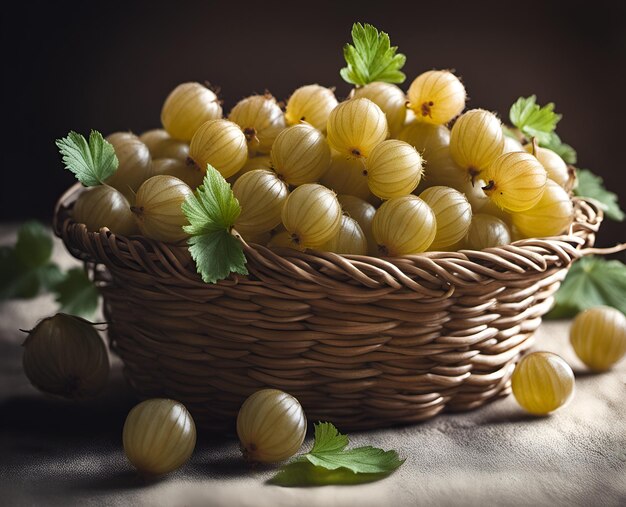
56,452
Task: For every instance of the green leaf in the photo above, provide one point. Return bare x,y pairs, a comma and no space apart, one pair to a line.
328,439
92,163
508,132
34,244
359,460
212,210
76,293
591,186
50,276
16,280
329,462
534,120
213,206
304,473
371,57
26,268
329,451
217,255
565,151
591,281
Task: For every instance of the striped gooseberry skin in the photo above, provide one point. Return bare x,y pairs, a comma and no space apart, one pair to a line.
542,382
261,119
271,426
476,140
515,181
158,208
65,356
349,240
159,436
355,127
598,336
312,104
134,163
257,162
486,231
312,215
220,143
394,169
489,208
453,213
554,165
162,145
347,175
390,98
436,96
104,206
363,212
261,195
300,154
181,169
551,216
425,137
404,225
442,170
188,106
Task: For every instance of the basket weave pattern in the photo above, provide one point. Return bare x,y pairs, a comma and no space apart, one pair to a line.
360,341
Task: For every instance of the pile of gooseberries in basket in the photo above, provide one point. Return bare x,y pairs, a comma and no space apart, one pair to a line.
380,172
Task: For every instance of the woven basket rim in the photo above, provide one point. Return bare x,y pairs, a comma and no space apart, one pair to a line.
507,262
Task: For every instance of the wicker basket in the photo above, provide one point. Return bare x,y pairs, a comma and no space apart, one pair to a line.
360,341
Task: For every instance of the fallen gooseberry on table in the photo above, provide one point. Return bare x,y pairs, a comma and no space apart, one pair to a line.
159,436
598,336
542,382
64,355
271,426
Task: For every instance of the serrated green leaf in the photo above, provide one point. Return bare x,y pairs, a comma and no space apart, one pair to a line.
565,151
76,293
366,459
534,120
371,57
212,207
305,474
329,451
591,281
217,255
328,439
591,186
329,462
212,211
34,245
91,162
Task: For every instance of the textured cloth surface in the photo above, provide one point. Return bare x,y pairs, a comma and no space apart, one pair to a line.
60,453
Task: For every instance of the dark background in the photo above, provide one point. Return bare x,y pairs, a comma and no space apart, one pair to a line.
109,66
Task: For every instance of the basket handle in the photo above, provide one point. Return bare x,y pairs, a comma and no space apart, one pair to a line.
620,247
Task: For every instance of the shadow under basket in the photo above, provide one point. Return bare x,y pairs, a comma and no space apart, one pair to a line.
362,342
